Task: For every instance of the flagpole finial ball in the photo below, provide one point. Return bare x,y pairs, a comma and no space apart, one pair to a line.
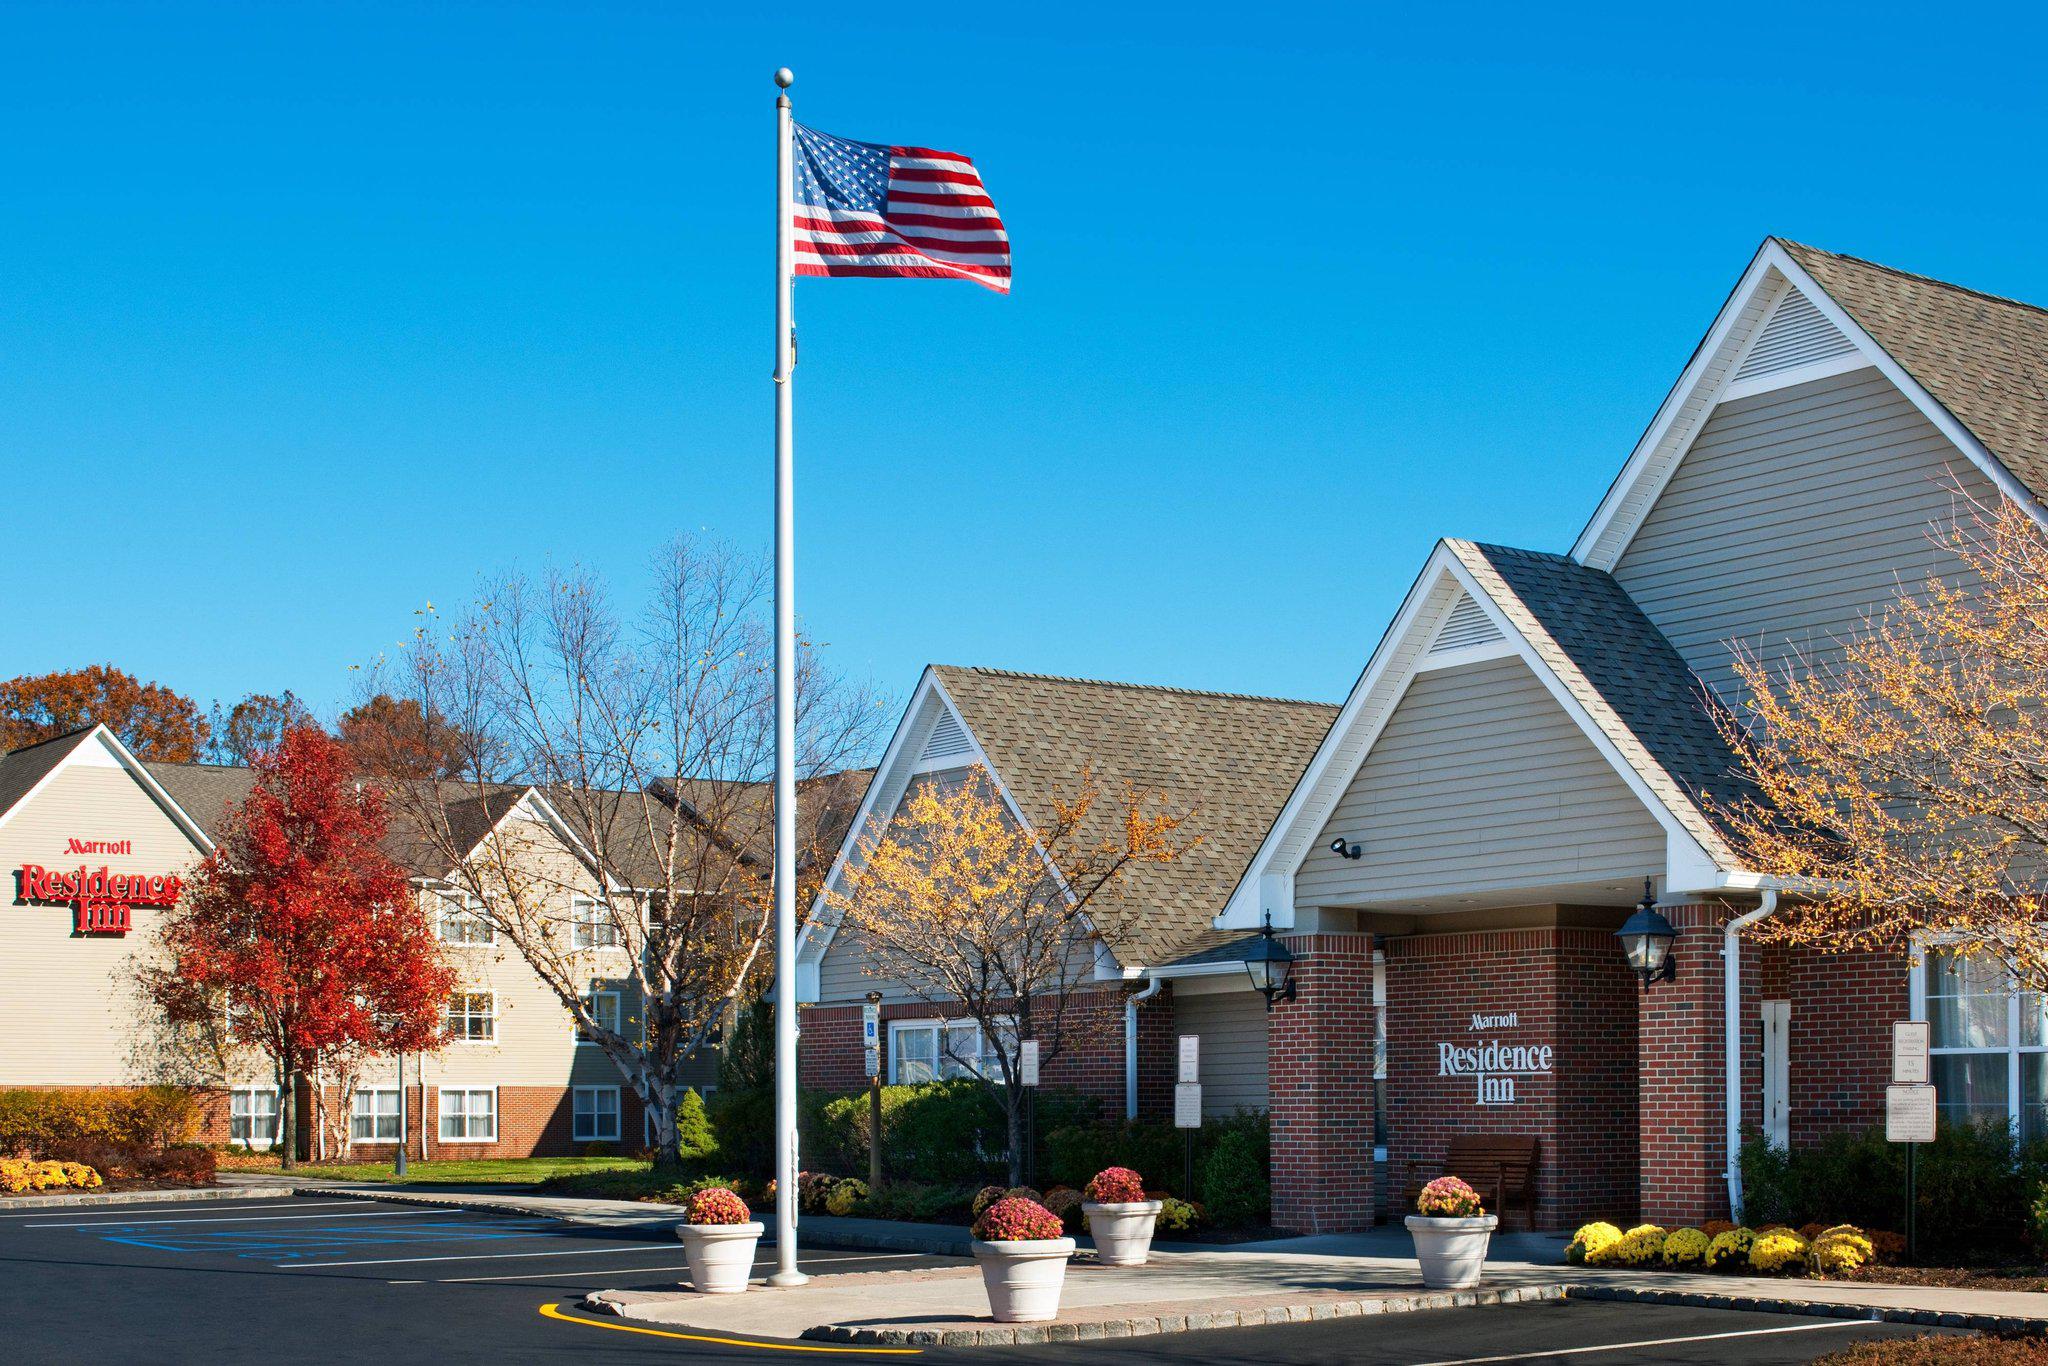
784,77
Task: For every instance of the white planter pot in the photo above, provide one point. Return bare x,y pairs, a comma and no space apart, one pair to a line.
1452,1251
1123,1231
721,1256
1024,1278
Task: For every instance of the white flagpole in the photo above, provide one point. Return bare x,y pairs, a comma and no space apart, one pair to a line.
786,1272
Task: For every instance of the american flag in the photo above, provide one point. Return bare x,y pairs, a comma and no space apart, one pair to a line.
865,209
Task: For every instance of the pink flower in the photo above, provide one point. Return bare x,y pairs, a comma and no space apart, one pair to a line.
1116,1186
717,1205
1014,1219
1449,1198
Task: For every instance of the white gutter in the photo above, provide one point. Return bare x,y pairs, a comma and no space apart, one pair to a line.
1731,1040
1131,1043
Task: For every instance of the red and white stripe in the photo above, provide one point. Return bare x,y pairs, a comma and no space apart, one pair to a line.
938,222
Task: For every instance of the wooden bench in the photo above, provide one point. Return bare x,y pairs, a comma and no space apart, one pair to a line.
1501,1167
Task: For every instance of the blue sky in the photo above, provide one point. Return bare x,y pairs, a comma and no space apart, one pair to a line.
310,314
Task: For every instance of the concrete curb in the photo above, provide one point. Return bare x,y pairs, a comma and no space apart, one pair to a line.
1148,1325
175,1196
1769,1304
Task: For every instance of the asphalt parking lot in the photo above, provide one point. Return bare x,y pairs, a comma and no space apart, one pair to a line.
325,1279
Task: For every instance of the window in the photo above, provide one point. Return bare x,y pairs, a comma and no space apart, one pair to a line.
460,919
596,1118
604,1009
472,1017
1990,1043
252,1117
469,1114
373,1115
590,924
926,1050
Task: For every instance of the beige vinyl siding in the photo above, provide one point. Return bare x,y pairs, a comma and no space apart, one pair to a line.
70,1011
1232,1027
1479,782
1794,513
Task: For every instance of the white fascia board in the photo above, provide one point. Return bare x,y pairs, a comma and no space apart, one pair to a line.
1337,759
1712,360
1268,883
816,935
1708,380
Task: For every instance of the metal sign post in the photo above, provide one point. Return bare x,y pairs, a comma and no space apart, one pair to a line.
1909,1113
871,1039
1027,1070
1187,1108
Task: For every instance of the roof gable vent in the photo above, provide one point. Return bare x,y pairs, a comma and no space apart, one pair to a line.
1796,335
1466,625
949,740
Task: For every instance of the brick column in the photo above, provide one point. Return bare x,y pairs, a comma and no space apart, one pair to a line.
1158,1056
1680,1071
1320,1069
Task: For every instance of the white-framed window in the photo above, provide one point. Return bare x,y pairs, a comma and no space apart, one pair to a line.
1989,1042
471,1017
252,1116
604,1010
469,1114
590,924
929,1050
595,1114
459,919
373,1115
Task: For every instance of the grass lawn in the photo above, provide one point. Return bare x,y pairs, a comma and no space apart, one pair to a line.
510,1171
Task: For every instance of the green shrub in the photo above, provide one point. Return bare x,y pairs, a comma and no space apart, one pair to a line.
121,1125
1235,1190
694,1136
945,1131
1975,1188
744,1121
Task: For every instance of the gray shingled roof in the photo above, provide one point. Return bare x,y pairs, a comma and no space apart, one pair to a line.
1983,358
21,769
1632,680
1233,759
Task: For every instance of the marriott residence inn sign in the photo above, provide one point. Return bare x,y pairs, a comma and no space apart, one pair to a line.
102,901
1494,1063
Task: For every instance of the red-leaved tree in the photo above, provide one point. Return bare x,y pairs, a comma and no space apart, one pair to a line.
299,931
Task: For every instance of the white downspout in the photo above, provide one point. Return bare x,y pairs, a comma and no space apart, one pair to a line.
1731,1039
1131,1045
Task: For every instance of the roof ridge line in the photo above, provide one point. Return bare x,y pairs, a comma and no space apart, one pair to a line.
1916,275
85,729
1136,687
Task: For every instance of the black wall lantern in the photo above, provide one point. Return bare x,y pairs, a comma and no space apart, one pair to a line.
1646,939
1271,966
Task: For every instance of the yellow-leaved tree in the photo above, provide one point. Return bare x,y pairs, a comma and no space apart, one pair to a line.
993,920
1904,779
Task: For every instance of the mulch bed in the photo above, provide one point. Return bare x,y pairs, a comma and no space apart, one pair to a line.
1935,1350
2025,1277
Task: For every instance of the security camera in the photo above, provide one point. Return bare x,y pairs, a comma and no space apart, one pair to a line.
1343,848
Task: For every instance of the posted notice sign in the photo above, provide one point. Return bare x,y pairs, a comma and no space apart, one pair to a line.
1910,1039
1187,1105
1027,1061
1909,1114
1190,1058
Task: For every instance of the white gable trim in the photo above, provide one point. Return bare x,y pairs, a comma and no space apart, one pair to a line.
1707,381
1268,882
101,748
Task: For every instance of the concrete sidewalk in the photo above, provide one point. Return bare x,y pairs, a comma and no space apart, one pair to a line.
1187,1286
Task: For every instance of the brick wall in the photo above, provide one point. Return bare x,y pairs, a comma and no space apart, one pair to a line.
1680,1077
1568,990
1839,1043
1320,1065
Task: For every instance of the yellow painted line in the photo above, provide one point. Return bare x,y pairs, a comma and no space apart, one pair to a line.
553,1311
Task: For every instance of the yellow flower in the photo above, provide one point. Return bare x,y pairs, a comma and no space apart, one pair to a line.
1841,1248
1729,1251
1686,1247
1781,1251
1589,1245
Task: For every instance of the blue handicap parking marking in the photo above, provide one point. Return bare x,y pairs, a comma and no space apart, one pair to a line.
288,1244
